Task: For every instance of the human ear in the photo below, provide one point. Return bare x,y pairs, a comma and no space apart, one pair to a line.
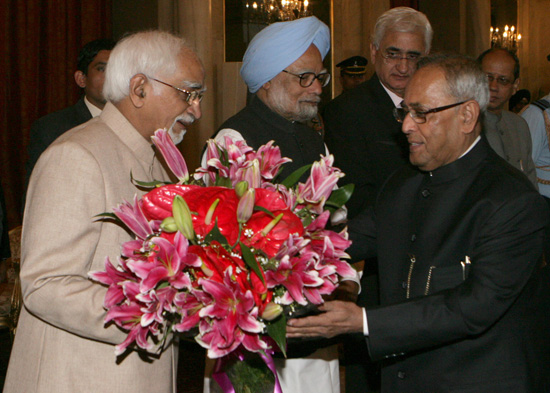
138,87
515,86
80,79
469,113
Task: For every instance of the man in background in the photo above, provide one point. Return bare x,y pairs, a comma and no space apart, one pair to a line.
459,241
360,124
368,144
353,72
519,100
537,116
154,80
283,66
89,76
507,133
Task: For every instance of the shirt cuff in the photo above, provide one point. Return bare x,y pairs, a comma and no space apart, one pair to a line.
365,324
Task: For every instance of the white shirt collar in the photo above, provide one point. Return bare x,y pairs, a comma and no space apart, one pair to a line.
471,146
94,110
394,97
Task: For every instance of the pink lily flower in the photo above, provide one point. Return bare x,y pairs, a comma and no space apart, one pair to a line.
294,274
212,338
171,154
319,184
169,263
128,317
230,305
188,306
133,217
113,277
156,302
270,160
133,249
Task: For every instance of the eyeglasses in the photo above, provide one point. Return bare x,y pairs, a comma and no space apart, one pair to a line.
500,80
190,96
307,78
391,57
419,117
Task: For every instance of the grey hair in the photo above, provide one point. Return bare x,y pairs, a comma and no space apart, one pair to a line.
403,20
153,53
465,79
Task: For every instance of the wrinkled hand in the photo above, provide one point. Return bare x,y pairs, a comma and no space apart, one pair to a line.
347,291
337,318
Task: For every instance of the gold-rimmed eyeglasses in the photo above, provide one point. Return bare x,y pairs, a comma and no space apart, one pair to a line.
392,57
190,96
307,78
419,117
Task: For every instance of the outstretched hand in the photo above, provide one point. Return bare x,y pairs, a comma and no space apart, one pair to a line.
337,317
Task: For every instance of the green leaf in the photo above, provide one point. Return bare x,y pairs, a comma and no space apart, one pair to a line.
251,261
340,196
263,209
223,182
277,331
107,215
146,184
216,235
293,178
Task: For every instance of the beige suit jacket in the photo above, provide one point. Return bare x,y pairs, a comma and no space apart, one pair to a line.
61,343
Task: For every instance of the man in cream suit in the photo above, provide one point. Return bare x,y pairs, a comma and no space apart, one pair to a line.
154,80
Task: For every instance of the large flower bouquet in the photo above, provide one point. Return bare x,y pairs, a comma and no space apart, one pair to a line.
222,262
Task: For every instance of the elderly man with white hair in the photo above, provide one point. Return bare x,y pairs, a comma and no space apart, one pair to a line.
283,66
154,80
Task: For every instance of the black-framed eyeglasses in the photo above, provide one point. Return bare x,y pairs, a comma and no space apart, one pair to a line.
391,57
307,78
190,96
419,117
500,79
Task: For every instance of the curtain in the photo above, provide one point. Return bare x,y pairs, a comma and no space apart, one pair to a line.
40,40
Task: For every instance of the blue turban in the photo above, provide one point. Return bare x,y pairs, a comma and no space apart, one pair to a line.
279,45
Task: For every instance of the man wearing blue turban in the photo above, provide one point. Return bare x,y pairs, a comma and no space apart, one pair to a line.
283,66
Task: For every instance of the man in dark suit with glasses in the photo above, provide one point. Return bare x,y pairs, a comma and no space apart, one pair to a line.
459,238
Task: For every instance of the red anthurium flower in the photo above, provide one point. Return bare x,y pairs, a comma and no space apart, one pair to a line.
225,212
270,199
157,204
216,260
270,243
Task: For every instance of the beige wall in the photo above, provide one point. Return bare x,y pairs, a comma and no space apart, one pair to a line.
352,25
533,20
